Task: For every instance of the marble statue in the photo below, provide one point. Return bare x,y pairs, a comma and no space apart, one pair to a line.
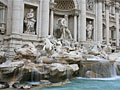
48,46
2,29
30,21
62,23
89,30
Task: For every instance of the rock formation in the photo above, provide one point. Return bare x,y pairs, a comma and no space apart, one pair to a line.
57,60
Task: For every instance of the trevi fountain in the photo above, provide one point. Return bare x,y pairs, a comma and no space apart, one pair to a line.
59,44
58,60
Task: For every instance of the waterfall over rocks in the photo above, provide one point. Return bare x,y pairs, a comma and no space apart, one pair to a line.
59,62
98,68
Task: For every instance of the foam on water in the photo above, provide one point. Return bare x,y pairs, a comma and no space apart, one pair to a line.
104,79
34,83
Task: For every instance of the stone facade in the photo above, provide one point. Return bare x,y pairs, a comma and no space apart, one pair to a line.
104,16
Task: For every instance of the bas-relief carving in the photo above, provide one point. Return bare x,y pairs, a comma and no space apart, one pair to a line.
90,5
30,22
89,30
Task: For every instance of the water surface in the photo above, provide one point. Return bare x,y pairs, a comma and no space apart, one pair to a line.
87,84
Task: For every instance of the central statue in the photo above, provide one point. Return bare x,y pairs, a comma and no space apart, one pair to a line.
63,24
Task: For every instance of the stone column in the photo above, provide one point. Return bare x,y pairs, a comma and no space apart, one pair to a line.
107,22
3,15
16,16
3,21
40,19
117,23
79,27
52,17
45,18
75,27
99,21
83,21
76,13
9,18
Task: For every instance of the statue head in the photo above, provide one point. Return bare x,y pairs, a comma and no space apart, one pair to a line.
66,16
31,10
90,22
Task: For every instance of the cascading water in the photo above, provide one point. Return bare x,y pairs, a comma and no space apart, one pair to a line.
68,74
98,68
35,75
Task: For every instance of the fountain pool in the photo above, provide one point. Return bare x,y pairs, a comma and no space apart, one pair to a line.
87,84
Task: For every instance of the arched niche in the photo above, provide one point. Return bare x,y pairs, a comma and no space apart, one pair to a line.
62,8
104,31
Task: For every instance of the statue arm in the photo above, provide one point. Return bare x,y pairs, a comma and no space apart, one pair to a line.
33,20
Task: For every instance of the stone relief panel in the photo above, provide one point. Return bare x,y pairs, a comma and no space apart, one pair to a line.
89,30
90,5
30,19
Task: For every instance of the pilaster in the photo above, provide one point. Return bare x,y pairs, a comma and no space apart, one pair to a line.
107,21
45,18
52,16
117,8
83,21
99,21
16,16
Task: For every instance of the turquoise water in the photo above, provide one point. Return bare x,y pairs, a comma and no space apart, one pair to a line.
87,84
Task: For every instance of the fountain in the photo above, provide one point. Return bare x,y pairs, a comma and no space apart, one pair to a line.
60,62
98,69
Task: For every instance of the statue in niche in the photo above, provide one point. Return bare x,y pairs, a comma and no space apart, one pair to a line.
30,22
2,29
89,30
62,23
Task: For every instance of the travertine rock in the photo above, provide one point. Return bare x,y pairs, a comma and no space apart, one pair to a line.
113,56
27,51
7,68
3,57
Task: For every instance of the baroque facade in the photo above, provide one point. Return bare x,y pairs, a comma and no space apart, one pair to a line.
24,21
